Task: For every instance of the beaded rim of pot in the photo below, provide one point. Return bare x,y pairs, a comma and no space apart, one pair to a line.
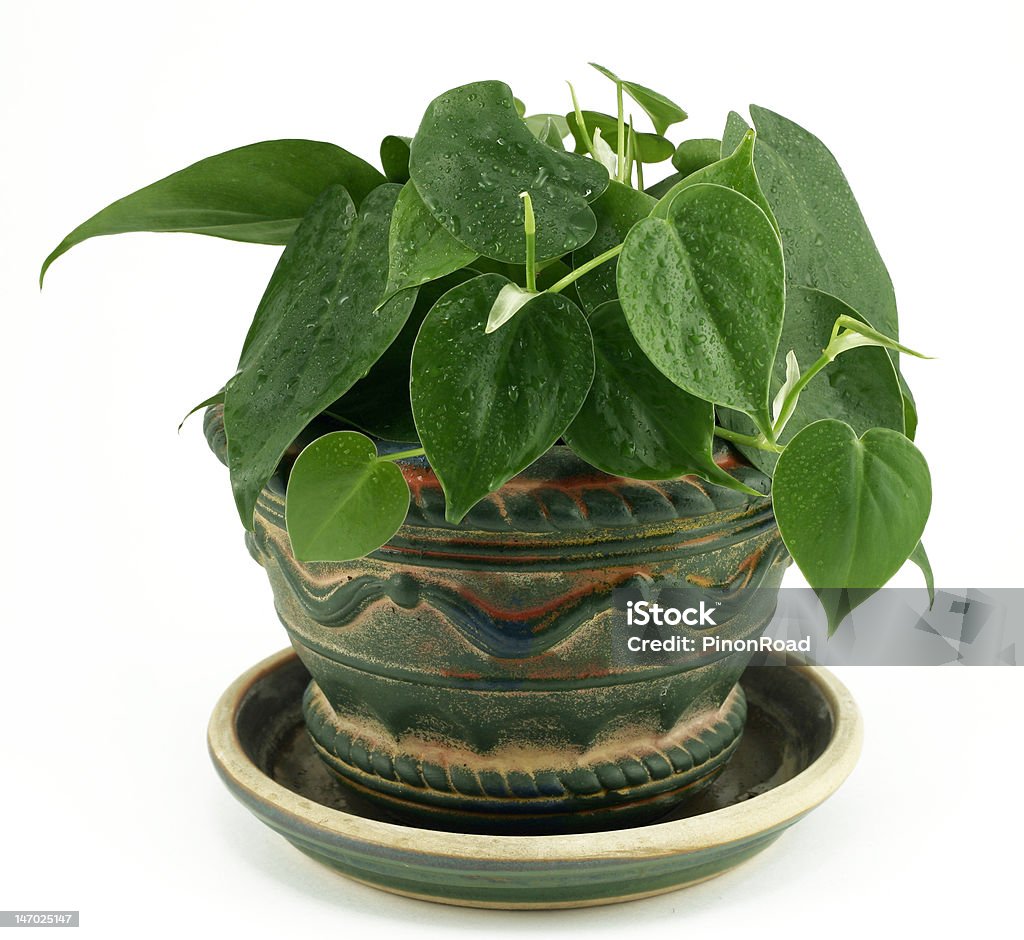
684,759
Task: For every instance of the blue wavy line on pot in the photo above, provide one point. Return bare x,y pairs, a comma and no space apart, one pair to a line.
525,641
511,637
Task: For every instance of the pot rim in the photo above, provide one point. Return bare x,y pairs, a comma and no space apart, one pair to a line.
770,811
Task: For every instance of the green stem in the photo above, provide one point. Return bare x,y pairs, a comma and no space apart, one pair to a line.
415,452
622,134
577,273
584,133
530,228
760,442
630,152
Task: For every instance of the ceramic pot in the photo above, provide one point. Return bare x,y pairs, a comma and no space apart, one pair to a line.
467,676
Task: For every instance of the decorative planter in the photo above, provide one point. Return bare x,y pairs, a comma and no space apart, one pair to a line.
465,677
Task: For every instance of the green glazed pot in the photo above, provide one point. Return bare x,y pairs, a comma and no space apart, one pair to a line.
466,676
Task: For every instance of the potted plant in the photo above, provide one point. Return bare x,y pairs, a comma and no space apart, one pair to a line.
494,384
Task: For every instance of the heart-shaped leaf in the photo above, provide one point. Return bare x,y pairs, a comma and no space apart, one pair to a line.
692,155
859,387
827,242
617,210
379,402
471,158
488,404
394,157
316,332
703,294
419,247
343,500
650,148
253,194
635,422
850,510
662,112
735,171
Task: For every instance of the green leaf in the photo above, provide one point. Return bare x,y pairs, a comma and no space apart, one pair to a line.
419,247
860,387
662,112
827,242
735,171
488,404
693,155
850,510
253,194
650,148
617,210
550,129
471,158
394,157
635,422
217,398
379,403
316,332
920,558
343,500
703,294
852,333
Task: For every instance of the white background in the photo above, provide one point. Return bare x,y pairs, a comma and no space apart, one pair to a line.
128,601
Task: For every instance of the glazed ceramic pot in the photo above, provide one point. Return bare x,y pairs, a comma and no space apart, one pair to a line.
468,677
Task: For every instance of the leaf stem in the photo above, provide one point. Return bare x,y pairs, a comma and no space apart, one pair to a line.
585,268
760,442
622,133
530,228
630,152
584,133
415,452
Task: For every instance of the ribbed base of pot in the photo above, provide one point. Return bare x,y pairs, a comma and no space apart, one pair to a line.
522,792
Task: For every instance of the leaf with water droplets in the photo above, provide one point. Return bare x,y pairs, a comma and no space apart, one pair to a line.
826,240
379,402
850,509
343,500
419,247
735,171
635,422
256,194
860,387
617,210
488,404
703,294
316,331
471,158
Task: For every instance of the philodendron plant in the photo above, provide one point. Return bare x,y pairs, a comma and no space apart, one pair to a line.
495,291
